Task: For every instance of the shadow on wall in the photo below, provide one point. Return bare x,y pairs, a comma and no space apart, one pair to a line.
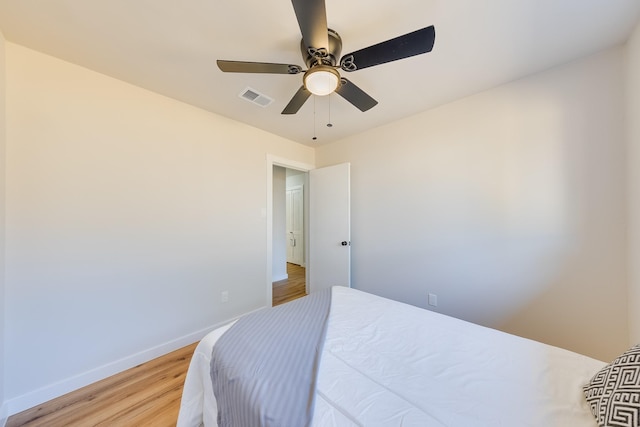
514,219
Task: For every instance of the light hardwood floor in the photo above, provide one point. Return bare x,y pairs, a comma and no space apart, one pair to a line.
292,287
146,395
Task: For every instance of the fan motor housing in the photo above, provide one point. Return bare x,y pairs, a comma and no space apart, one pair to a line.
328,56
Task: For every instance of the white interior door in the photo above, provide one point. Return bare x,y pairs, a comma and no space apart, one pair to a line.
329,227
295,225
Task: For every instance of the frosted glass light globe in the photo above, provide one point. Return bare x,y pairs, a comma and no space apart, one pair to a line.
321,81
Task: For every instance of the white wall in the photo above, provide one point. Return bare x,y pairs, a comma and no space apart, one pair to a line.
128,214
509,205
3,408
279,269
296,178
633,135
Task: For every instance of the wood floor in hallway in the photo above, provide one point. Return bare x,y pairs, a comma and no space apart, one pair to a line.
291,288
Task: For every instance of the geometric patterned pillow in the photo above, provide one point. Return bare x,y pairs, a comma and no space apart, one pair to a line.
614,392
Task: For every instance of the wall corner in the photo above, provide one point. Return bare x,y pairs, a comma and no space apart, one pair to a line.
632,134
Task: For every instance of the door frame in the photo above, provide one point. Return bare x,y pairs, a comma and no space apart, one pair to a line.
289,164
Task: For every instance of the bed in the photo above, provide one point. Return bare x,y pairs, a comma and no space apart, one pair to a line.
384,363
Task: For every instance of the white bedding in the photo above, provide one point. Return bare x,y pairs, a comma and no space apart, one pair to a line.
386,363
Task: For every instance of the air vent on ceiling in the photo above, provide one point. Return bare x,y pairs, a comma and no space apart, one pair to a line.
255,97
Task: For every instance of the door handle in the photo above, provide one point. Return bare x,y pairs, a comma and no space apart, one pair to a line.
345,243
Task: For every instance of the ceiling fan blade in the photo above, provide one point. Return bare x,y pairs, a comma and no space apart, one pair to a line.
355,95
297,101
257,67
411,44
312,19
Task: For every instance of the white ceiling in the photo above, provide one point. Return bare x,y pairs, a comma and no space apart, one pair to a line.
170,47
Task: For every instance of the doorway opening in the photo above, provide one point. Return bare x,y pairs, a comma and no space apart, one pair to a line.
289,242
327,246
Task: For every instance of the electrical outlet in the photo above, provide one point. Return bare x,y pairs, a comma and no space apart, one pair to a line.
224,296
433,300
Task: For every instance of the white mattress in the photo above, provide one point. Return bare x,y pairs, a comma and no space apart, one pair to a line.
390,364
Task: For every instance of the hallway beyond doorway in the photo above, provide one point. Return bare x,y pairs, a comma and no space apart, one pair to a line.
291,288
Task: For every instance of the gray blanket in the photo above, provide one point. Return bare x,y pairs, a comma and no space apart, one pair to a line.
264,368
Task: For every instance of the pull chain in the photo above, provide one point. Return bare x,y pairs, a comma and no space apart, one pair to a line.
314,118
329,124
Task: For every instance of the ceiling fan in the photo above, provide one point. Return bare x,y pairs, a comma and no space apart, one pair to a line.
321,48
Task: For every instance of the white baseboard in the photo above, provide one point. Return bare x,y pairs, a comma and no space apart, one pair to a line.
51,391
281,277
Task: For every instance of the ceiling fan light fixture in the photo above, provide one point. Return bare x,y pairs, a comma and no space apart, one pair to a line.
321,80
